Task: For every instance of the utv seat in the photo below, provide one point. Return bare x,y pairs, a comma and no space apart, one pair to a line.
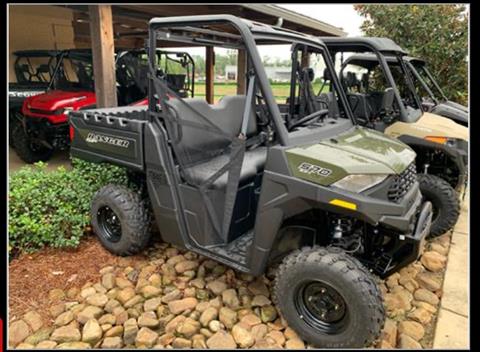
23,73
227,114
253,163
361,108
330,100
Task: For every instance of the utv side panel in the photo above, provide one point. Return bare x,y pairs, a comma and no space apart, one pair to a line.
115,138
161,188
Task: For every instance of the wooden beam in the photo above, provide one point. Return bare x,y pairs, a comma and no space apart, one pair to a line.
305,60
103,50
209,73
241,71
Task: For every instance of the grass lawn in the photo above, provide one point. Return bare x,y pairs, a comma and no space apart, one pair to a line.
281,91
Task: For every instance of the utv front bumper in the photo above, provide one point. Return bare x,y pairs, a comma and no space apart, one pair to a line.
404,249
406,224
398,216
52,136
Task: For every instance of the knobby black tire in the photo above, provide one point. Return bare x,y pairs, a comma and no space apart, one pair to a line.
444,199
134,217
352,280
23,147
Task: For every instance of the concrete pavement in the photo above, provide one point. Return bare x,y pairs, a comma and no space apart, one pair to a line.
452,329
58,159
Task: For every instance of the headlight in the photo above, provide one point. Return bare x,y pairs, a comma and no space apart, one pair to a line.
359,183
67,110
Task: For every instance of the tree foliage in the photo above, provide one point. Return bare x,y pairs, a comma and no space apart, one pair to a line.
436,33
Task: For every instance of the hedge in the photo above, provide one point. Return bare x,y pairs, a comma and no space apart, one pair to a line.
51,208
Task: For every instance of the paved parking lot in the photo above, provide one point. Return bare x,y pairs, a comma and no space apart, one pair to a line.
453,319
59,158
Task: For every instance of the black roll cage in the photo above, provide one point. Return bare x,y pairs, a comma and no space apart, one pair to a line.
409,61
250,33
359,45
27,54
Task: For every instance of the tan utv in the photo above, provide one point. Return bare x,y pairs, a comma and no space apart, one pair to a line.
382,96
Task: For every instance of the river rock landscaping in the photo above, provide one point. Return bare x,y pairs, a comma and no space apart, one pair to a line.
173,298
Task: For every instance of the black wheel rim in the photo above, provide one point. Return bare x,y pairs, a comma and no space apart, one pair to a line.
110,226
322,307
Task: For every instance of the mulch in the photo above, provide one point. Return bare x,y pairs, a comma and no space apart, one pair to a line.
33,276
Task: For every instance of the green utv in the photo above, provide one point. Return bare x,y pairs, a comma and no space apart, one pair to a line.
382,95
253,181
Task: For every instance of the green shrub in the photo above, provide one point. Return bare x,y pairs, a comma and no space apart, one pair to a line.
51,208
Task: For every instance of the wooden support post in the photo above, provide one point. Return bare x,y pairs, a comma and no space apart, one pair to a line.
101,33
210,74
306,60
241,71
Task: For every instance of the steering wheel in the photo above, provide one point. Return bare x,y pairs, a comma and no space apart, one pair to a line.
309,118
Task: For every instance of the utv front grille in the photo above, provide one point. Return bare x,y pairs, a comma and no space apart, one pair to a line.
402,183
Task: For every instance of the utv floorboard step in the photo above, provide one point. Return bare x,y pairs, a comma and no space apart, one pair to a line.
237,250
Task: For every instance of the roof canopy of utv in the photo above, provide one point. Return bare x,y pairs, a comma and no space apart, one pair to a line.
371,60
36,53
380,44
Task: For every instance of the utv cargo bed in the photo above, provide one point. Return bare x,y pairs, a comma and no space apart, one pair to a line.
113,135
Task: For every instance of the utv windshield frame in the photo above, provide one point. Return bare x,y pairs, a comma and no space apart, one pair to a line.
383,48
410,63
362,59
179,29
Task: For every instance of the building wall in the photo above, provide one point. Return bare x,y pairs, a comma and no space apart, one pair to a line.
38,27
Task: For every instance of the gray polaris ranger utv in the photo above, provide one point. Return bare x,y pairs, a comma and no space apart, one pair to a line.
383,97
254,180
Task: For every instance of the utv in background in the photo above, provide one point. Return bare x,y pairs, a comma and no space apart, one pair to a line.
383,97
182,81
255,180
45,125
33,72
433,98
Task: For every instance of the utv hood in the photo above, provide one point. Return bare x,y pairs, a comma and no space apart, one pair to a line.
57,99
429,125
357,151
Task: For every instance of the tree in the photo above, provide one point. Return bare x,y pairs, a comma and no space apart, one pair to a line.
436,33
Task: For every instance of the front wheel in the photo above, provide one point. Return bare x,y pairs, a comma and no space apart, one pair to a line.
329,298
445,203
29,151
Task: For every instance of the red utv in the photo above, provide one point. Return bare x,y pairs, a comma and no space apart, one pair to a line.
45,123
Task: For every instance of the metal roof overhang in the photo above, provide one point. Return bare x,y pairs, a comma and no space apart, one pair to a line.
131,21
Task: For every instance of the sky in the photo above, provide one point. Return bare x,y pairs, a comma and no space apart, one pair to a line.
343,16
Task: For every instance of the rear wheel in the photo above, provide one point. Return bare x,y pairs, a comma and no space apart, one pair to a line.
120,219
445,203
329,298
30,152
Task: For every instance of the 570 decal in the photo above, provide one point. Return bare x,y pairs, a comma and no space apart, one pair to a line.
311,169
